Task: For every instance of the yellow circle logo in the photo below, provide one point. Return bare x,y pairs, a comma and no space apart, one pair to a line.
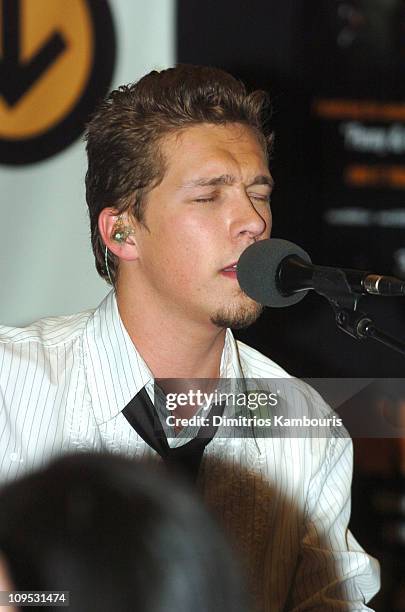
56,61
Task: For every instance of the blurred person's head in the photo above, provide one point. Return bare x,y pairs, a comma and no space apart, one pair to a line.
118,536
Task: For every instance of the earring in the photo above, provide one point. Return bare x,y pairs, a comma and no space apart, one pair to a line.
121,231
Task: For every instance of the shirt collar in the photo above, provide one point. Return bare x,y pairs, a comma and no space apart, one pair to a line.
115,370
230,361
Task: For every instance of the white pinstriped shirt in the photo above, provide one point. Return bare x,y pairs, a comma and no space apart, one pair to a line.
285,501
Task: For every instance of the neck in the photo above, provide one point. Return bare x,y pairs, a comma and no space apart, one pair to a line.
171,344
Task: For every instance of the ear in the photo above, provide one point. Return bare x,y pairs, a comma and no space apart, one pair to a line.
125,249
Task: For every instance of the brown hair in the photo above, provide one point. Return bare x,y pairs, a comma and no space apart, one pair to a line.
124,159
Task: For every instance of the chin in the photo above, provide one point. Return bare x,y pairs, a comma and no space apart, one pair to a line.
238,316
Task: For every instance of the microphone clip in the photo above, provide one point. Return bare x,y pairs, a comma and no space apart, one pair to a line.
356,323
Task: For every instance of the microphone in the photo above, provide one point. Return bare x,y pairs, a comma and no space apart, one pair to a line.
279,273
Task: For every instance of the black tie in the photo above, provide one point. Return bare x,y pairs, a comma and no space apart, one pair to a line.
142,416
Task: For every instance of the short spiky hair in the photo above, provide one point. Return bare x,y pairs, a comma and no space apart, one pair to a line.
124,157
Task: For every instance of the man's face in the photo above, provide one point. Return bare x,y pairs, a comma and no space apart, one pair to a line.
212,204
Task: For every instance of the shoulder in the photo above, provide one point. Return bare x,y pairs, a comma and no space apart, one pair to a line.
256,365
297,395
47,332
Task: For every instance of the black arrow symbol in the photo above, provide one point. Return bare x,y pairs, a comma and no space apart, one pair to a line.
16,78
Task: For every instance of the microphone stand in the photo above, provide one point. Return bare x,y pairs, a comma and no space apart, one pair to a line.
332,284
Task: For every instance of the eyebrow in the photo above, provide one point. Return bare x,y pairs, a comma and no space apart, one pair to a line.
227,179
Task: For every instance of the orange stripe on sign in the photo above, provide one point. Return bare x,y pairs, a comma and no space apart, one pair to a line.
367,110
358,175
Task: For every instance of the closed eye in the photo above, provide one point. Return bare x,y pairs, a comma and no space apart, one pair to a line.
260,198
265,198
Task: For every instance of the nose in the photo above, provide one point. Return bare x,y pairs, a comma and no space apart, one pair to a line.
250,218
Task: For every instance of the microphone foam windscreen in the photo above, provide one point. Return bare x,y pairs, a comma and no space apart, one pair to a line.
258,271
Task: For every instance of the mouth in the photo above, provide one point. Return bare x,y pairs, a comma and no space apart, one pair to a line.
231,268
230,271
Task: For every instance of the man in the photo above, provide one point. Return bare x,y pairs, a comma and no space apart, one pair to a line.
178,186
